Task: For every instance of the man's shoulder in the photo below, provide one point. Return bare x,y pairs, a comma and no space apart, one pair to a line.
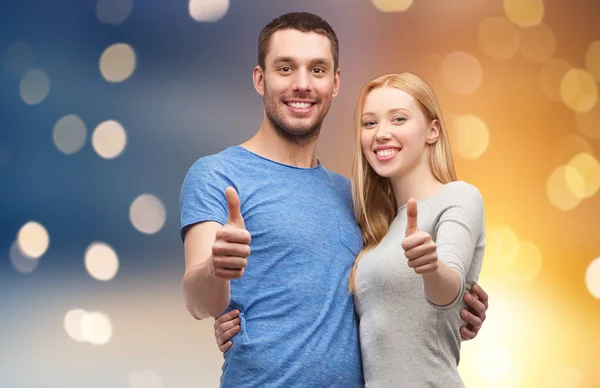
337,180
221,161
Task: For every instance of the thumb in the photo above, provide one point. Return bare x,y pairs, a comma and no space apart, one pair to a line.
233,205
411,217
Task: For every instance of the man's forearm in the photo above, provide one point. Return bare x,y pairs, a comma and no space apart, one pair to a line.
205,295
442,286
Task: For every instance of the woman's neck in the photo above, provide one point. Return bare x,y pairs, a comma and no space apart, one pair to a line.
419,183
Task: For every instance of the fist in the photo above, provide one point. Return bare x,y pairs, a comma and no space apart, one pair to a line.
231,248
419,248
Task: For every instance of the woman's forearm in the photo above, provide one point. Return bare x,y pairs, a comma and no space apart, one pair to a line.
442,286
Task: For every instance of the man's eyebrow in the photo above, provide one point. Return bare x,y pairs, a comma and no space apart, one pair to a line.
320,61
316,61
283,59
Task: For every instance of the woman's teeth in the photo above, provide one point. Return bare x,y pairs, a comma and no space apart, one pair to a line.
387,152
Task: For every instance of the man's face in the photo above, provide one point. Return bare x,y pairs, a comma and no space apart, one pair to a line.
298,83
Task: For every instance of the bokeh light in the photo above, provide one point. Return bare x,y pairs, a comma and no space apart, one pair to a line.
113,11
117,62
569,146
502,246
592,59
559,192
101,261
33,239
498,38
527,265
492,360
69,134
592,278
392,5
538,43
96,328
470,136
17,59
109,139
589,169
551,76
589,122
512,378
564,376
145,379
542,261
493,363
578,90
20,261
147,214
35,86
72,324
208,10
524,13
462,72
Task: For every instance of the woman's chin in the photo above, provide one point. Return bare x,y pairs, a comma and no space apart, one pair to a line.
383,171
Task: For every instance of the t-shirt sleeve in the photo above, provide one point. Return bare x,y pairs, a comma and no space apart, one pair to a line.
202,196
458,231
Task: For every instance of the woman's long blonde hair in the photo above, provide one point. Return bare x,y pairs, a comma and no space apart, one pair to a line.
374,201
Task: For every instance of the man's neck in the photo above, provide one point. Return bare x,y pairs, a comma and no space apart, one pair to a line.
268,144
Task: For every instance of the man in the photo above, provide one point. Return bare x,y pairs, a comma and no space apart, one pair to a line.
296,316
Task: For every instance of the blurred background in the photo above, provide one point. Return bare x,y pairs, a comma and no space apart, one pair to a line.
105,104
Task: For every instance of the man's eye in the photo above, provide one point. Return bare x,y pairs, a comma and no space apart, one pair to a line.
285,68
318,70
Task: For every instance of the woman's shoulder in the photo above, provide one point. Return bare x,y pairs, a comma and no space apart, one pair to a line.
463,193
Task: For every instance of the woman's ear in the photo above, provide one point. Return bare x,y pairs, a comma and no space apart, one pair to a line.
434,131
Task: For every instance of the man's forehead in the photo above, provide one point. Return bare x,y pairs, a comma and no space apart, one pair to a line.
299,46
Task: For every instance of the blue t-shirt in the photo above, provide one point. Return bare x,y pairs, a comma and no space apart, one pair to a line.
297,316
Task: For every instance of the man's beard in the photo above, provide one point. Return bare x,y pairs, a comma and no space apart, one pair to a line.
284,132
296,138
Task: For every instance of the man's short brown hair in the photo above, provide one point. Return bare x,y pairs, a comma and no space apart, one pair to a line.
301,21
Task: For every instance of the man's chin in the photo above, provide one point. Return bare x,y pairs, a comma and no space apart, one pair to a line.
300,130
295,129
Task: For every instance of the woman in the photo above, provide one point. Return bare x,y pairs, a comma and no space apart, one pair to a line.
423,232
409,279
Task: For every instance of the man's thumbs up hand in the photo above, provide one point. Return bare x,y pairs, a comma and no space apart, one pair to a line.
235,212
231,248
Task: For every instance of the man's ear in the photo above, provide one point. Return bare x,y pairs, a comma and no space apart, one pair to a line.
258,78
336,83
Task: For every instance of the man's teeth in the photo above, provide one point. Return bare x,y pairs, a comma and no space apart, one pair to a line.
299,105
387,152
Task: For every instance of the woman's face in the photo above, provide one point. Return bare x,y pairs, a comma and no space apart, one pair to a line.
394,132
